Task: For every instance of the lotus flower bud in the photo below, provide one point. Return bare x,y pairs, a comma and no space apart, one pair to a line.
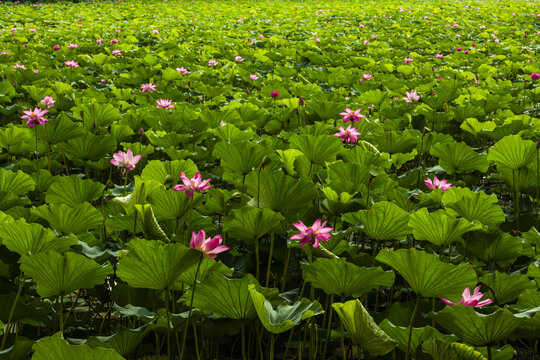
301,101
140,131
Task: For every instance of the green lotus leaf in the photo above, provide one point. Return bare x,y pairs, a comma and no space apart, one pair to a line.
512,152
474,206
151,265
60,129
124,341
356,177
366,157
339,277
281,193
458,157
96,114
240,157
285,316
67,219
248,224
5,218
23,238
17,182
374,97
504,288
224,296
169,204
462,113
362,328
317,149
88,147
150,226
9,200
475,328
13,136
532,236
534,270
393,142
401,335
232,134
441,350
56,348
504,353
17,351
335,203
384,221
501,248
159,170
57,275
427,275
73,190
208,266
438,227
121,133
43,179
325,110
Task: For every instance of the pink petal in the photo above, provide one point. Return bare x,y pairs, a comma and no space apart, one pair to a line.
448,302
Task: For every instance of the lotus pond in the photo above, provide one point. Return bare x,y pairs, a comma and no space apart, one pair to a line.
270,180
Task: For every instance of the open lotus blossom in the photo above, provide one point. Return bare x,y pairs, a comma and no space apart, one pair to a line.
274,94
155,31
212,62
164,104
210,247
254,77
71,63
437,184
32,30
349,135
313,234
470,300
35,117
48,101
125,160
148,87
439,56
99,41
238,58
73,46
182,70
353,116
411,96
535,76
19,66
408,60
190,186
56,47
116,52
114,41
366,77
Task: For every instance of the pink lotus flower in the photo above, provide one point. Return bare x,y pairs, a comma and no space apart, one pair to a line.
458,48
182,70
210,247
408,60
212,62
48,101
99,41
439,56
535,76
411,96
274,94
148,87
56,47
353,116
366,77
437,184
73,46
32,30
35,117
116,52
18,66
254,77
470,300
366,42
125,160
238,58
114,41
313,234
164,104
190,186
36,71
71,63
350,134
155,31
